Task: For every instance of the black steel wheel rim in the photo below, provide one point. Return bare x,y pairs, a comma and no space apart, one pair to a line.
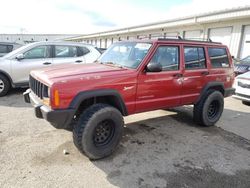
104,132
213,110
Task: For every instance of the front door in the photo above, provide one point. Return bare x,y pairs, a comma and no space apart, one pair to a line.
35,58
161,89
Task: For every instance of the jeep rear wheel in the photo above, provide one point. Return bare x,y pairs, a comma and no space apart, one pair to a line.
209,109
4,85
98,131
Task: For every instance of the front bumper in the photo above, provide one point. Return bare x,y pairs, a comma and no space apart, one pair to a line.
60,119
242,97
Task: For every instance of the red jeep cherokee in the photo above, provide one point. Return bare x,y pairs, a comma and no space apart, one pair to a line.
132,77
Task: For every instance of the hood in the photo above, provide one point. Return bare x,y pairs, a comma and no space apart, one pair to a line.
245,76
75,70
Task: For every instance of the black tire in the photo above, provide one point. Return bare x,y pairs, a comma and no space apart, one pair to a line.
4,85
98,131
246,103
209,109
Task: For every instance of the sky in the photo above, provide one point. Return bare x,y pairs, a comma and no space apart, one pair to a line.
84,17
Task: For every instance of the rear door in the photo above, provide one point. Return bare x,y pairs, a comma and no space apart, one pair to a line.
157,90
221,66
195,73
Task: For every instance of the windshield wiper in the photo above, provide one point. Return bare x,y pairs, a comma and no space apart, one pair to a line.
112,63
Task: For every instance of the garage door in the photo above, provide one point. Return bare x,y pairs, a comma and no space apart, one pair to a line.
109,42
103,43
172,34
222,35
245,48
195,34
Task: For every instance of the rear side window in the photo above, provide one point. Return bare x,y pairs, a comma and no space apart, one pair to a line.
65,51
218,57
5,48
194,58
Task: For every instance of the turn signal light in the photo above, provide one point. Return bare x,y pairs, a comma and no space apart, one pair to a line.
56,97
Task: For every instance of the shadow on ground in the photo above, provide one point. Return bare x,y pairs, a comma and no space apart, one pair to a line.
172,151
14,98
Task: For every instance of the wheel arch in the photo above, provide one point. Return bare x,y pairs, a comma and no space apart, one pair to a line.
108,96
218,86
7,76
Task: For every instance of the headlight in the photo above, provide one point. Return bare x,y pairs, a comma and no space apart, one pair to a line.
248,68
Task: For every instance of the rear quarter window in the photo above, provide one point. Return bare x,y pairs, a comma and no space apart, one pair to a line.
82,51
218,57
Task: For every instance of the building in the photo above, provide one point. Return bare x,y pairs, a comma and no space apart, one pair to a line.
28,38
230,26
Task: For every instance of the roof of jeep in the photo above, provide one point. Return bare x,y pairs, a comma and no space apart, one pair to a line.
177,41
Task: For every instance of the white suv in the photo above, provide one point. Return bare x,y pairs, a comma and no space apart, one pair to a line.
242,88
16,66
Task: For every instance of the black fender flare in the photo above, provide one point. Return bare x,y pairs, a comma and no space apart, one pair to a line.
81,96
211,85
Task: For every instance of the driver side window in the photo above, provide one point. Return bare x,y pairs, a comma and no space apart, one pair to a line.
39,52
168,57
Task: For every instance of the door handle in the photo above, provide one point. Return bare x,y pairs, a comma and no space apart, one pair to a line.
47,63
205,73
178,75
78,61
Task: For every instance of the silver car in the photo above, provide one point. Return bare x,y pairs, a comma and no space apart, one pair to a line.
16,66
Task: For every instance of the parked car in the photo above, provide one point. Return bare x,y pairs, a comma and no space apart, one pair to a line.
16,66
7,47
132,77
241,66
242,88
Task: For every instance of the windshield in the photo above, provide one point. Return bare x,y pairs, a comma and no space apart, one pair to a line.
125,54
246,59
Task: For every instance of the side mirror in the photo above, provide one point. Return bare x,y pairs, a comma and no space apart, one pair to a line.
20,57
154,67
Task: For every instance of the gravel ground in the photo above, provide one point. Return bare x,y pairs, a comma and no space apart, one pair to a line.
159,149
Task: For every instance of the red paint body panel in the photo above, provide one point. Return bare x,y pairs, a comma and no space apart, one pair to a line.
147,90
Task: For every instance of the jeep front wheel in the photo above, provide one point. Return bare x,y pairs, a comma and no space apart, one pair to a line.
4,85
209,109
98,131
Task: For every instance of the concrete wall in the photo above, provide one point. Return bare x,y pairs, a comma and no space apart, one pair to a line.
204,29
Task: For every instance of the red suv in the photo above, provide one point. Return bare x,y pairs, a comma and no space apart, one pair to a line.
132,77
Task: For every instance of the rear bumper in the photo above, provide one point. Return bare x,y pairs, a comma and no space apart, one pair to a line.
60,119
229,91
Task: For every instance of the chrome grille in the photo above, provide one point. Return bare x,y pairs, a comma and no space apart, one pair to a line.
38,88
